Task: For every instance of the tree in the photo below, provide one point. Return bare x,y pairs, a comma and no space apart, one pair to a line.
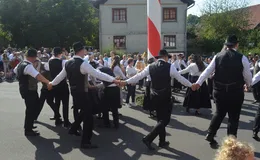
49,23
221,18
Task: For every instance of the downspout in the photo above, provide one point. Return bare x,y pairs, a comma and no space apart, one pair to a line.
185,38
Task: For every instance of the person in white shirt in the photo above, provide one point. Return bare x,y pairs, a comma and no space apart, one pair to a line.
27,76
161,72
111,58
77,71
131,88
124,62
196,99
232,71
116,67
102,62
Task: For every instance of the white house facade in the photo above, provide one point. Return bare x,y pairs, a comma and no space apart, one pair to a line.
123,25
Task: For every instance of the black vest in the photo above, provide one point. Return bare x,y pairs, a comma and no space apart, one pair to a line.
55,66
26,82
77,81
108,71
229,69
160,75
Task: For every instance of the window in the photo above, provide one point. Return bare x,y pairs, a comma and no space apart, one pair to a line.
119,15
169,41
169,14
119,42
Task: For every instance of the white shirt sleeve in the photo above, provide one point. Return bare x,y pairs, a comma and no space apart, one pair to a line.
256,78
86,68
139,76
186,70
63,63
30,70
183,63
207,72
15,69
175,74
61,76
118,72
246,71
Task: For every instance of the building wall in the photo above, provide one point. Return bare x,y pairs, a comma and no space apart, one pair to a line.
135,29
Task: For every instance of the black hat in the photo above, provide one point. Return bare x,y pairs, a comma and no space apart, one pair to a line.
78,46
57,51
31,53
231,40
163,53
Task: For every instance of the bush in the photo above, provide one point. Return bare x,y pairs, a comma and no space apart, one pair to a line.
119,52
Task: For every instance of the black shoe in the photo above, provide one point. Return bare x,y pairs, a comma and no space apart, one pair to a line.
52,118
148,144
67,125
75,133
31,133
58,122
255,136
34,127
197,113
164,144
88,146
256,101
213,143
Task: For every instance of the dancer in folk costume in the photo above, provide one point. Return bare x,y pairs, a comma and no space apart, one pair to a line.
200,98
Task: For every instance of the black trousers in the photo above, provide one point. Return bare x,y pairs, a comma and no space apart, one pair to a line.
163,108
62,94
256,93
257,121
31,100
210,86
111,102
80,101
227,102
130,93
49,98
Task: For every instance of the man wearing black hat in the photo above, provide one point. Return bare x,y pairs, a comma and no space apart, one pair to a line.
231,73
27,76
161,72
77,70
61,91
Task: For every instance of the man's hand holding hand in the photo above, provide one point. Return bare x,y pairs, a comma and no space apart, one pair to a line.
49,86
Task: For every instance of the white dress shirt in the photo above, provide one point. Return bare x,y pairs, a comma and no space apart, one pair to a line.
181,62
85,68
124,63
173,73
211,68
28,70
192,69
131,71
176,65
118,72
256,78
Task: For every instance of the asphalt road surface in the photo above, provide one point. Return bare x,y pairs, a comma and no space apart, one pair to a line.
185,132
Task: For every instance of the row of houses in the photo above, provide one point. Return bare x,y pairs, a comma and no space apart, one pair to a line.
123,24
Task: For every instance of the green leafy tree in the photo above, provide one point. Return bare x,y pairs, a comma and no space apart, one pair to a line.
221,18
49,22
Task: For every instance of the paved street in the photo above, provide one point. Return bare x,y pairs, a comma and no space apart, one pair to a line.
185,133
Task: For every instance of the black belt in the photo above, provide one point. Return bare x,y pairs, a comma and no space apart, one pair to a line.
228,86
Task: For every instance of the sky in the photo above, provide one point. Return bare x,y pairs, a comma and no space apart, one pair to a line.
199,4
